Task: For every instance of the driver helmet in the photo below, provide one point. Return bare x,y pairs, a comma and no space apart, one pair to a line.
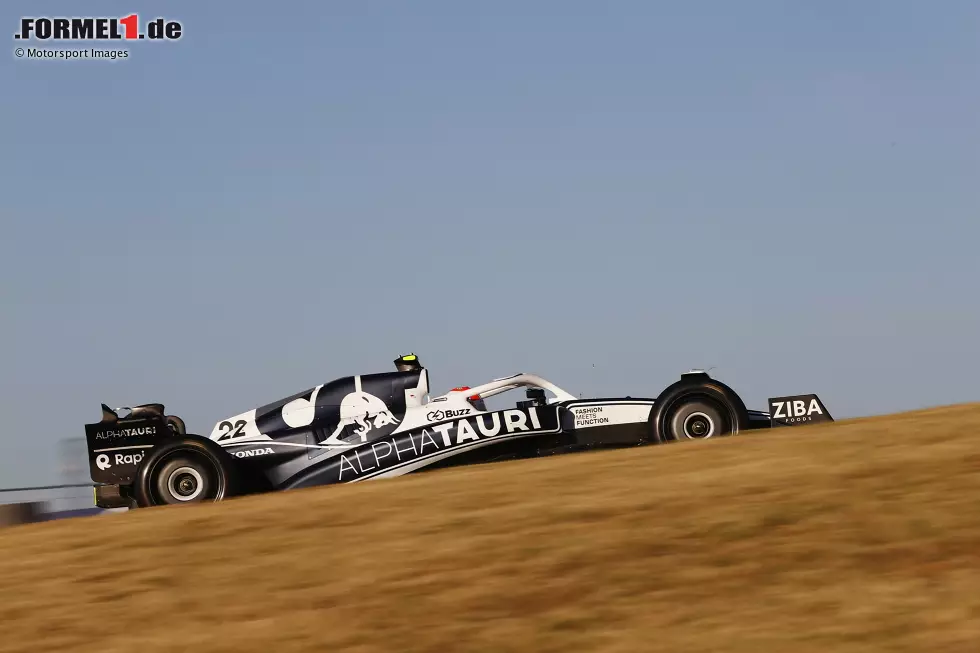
408,363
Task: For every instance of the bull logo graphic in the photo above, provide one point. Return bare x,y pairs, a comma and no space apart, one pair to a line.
365,411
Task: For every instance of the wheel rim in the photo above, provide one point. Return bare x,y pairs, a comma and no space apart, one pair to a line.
698,426
185,484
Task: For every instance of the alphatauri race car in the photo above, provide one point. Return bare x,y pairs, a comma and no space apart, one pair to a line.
373,426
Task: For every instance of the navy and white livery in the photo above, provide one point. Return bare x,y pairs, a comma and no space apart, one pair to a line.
372,426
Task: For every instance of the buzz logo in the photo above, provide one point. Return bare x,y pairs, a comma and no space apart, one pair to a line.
248,453
436,415
797,410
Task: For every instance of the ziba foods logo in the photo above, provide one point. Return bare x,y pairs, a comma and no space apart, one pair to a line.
102,28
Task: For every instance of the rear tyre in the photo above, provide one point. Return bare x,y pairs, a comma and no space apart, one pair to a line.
176,425
183,472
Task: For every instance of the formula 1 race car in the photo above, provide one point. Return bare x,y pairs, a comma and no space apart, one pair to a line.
383,425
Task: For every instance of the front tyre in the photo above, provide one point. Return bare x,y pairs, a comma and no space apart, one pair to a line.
697,408
697,419
183,472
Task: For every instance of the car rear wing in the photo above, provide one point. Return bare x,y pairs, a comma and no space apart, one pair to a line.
117,444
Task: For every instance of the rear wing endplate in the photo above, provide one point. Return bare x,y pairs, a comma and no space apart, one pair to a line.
795,410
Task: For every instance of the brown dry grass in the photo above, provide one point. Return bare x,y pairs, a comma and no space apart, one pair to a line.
858,536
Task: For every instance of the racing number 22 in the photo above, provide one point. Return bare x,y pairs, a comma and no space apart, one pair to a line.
229,430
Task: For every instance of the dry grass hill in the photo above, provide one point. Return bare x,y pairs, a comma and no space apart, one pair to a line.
858,536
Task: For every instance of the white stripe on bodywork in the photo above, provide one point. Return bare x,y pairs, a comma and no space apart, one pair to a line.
273,443
135,446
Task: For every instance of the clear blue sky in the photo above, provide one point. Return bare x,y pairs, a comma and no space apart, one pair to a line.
788,191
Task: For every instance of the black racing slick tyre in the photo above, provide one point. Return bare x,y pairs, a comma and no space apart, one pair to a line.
185,471
697,418
176,425
697,408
